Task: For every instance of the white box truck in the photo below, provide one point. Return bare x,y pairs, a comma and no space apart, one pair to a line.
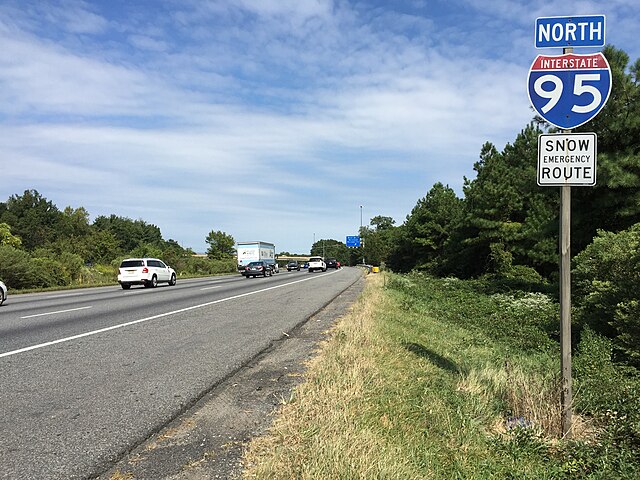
253,251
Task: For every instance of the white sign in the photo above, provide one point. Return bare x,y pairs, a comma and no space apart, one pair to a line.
567,159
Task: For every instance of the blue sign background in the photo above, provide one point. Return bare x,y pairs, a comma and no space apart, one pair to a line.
577,91
353,241
589,31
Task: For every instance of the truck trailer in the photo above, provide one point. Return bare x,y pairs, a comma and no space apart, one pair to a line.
254,251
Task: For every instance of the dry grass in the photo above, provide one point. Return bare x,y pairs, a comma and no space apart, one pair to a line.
118,475
533,398
319,433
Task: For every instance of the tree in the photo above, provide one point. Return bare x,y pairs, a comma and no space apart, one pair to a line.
130,233
378,241
382,223
420,241
221,245
7,238
607,279
32,217
613,204
505,211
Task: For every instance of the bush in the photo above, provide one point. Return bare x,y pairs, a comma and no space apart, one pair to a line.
207,266
48,273
611,394
16,268
607,280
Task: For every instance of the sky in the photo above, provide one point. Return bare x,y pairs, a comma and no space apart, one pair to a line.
285,121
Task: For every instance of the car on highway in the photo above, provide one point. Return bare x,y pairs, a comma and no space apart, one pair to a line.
293,265
317,263
3,292
331,263
145,271
256,269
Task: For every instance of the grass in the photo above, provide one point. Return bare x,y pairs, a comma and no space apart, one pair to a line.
430,379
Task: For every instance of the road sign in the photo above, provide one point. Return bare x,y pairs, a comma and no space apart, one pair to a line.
584,31
569,90
567,159
353,241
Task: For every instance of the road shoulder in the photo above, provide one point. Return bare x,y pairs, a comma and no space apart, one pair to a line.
207,441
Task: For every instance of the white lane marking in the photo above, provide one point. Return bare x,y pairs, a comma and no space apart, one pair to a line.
211,288
53,313
161,315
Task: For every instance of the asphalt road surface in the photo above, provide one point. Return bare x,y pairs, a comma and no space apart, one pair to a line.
87,375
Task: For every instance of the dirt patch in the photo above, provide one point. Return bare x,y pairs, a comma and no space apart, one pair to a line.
208,440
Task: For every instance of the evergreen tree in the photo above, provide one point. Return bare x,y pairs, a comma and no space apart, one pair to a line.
221,245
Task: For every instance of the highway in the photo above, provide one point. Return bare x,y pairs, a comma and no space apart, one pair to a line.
86,375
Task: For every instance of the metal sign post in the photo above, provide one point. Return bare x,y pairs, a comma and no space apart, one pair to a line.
565,305
565,309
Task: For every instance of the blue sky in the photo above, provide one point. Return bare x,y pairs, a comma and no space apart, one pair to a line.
270,120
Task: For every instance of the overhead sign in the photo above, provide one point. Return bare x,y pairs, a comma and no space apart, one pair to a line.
567,159
585,31
569,90
353,241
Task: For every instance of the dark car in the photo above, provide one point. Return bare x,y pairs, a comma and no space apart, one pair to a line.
332,263
255,269
293,265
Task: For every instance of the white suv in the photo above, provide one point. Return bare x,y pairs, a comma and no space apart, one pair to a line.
317,263
145,271
3,292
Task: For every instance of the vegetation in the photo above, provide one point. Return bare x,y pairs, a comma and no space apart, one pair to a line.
451,371
221,245
446,378
506,226
42,246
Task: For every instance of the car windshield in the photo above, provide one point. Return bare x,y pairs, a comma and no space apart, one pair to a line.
315,259
255,264
132,263
293,263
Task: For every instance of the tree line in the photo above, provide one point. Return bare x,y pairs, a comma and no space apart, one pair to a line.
42,246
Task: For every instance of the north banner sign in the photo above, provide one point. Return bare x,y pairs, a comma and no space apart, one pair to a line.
569,90
567,159
584,31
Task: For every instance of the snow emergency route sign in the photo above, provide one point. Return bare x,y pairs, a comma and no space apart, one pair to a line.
567,159
569,90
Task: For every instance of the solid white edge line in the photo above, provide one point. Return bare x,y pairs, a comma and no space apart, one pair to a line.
134,322
53,313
